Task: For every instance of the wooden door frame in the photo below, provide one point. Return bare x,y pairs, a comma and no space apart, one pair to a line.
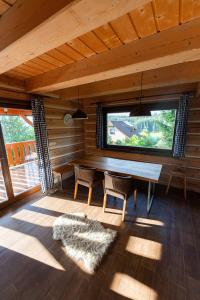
21,196
17,104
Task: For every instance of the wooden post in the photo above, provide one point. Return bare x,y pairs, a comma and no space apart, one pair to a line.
5,168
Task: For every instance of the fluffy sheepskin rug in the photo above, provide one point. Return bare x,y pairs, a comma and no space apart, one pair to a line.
84,239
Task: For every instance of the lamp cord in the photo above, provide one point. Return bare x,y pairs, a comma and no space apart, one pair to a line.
78,98
141,85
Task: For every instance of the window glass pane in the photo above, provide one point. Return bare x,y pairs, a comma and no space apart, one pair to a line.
155,131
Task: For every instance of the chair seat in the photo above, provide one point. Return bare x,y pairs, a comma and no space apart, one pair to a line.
97,179
120,187
87,177
116,194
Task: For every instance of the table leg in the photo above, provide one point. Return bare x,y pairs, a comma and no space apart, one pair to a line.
150,197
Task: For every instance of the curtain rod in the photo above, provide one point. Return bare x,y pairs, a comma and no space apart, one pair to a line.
190,93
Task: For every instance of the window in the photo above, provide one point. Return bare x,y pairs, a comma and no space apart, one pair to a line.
149,134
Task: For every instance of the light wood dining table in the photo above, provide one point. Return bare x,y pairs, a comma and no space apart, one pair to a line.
148,172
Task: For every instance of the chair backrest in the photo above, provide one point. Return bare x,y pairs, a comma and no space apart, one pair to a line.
118,183
84,173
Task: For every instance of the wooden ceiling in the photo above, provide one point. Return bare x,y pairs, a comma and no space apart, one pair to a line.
102,48
152,18
5,5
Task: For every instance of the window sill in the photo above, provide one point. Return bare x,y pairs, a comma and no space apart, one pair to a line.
142,151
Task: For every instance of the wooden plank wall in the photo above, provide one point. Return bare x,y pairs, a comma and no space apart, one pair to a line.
191,163
65,142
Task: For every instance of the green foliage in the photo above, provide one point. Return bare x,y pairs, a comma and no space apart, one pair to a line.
15,129
166,123
118,142
109,141
143,140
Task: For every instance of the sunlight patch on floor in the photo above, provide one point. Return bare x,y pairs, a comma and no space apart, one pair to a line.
143,225
149,221
144,247
130,287
33,217
28,246
110,217
60,205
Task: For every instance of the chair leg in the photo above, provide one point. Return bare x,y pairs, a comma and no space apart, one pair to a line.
75,190
185,188
104,202
90,195
134,197
124,210
61,183
167,189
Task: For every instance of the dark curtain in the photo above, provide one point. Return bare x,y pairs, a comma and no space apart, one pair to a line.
45,169
99,126
181,127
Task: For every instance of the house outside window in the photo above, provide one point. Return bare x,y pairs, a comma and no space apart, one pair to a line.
111,129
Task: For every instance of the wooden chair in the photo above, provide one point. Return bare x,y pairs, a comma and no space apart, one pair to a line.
88,177
178,173
119,187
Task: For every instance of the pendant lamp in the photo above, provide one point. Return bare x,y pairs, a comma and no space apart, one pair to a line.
79,114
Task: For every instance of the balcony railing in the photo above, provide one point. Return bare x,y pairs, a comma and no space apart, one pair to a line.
20,152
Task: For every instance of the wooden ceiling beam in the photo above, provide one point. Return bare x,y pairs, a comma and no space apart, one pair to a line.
14,95
31,28
11,83
170,47
162,77
169,92
15,112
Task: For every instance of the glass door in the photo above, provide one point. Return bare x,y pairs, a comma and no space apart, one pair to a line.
18,140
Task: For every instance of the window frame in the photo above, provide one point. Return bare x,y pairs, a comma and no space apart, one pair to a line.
172,104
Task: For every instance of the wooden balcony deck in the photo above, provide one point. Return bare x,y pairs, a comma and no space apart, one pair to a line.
24,177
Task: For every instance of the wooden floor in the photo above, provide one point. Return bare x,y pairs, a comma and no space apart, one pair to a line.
155,257
24,177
